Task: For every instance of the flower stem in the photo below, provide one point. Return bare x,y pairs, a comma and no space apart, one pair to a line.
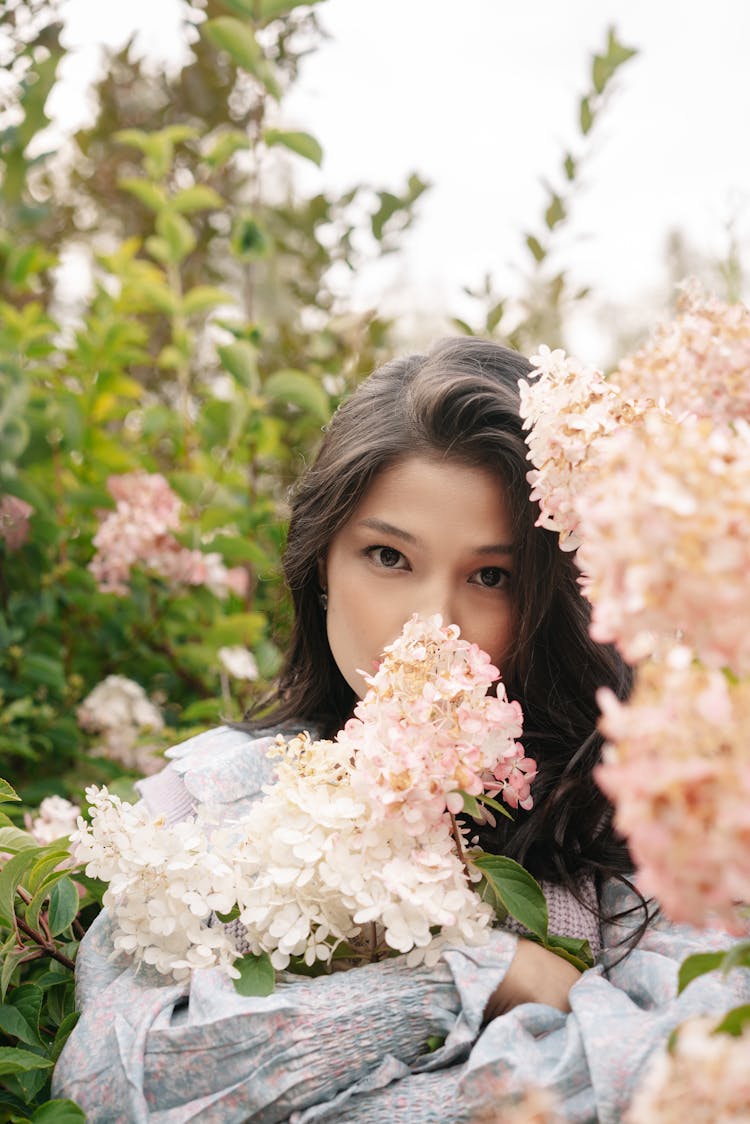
456,833
45,946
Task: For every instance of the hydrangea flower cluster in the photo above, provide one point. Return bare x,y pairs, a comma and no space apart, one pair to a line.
471,745
697,362
139,532
165,883
665,529
678,770
704,1078
15,514
119,709
56,818
567,409
650,475
328,861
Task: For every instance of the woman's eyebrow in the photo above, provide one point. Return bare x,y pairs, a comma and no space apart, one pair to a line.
390,529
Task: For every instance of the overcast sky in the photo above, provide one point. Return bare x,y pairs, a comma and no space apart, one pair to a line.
481,99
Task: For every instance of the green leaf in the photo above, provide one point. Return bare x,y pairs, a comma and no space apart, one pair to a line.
10,961
249,239
59,1112
570,167
13,1060
520,893
63,1033
300,390
225,145
240,359
735,1021
7,794
697,965
555,213
239,42
148,193
12,1022
271,9
177,233
490,801
576,950
303,144
27,1000
586,116
199,197
257,976
11,876
536,248
203,298
471,807
45,670
13,839
63,906
241,7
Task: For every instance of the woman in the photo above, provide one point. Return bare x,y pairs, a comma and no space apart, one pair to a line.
417,502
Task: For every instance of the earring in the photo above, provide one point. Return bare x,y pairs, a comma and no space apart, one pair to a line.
324,600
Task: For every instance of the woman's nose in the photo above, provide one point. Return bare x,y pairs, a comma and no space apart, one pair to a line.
439,599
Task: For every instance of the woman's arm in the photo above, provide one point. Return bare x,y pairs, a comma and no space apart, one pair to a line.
148,1050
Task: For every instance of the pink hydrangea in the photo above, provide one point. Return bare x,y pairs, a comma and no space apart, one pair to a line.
665,523
677,768
697,362
14,521
427,730
568,409
139,532
704,1079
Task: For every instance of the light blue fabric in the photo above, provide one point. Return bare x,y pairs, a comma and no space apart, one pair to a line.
351,1048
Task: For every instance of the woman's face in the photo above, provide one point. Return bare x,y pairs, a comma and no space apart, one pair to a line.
430,536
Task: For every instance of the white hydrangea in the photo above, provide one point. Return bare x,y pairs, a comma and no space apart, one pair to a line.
165,883
119,709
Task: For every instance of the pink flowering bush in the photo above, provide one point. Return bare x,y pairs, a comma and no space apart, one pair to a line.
139,533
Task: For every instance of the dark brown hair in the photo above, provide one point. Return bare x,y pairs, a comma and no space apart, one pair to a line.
461,401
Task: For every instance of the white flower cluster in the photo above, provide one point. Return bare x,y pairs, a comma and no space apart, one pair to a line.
57,818
354,851
164,885
319,868
119,709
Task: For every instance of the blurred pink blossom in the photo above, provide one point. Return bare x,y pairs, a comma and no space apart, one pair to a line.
139,532
677,767
697,362
665,524
14,521
703,1079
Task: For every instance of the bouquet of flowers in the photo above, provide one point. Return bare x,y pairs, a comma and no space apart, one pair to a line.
355,851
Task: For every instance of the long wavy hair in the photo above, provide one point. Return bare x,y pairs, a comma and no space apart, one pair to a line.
461,402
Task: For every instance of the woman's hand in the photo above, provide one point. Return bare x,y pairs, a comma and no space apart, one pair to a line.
536,975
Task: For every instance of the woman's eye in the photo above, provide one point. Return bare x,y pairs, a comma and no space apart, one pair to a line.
387,556
492,577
